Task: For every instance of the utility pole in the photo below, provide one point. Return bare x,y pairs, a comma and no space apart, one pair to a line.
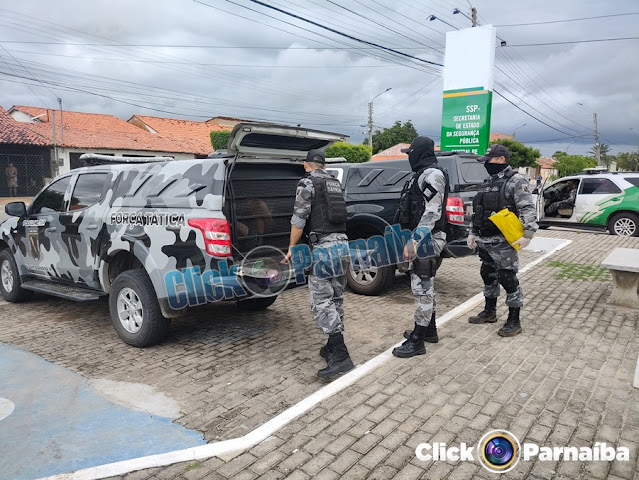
370,117
597,145
370,124
61,124
55,145
473,14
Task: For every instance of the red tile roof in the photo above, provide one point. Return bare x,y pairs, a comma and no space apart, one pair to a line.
93,131
180,129
546,162
13,132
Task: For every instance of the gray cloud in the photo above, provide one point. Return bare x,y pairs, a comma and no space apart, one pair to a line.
326,88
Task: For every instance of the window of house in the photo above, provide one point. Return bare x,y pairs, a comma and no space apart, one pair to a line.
88,190
51,200
598,186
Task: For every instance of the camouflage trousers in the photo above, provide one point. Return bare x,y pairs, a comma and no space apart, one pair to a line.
327,294
423,288
499,266
424,291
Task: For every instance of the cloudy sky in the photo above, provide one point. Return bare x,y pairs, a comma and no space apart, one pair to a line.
199,59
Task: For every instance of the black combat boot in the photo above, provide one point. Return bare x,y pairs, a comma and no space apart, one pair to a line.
512,326
431,331
414,345
337,358
488,315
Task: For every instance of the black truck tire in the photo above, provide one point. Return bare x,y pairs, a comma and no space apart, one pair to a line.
370,282
10,284
135,312
257,303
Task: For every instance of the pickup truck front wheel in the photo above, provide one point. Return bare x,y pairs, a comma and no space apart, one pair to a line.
135,312
10,284
370,282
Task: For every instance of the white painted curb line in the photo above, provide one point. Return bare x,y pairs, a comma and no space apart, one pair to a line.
269,428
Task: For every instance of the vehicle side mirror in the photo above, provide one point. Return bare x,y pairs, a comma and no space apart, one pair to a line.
535,191
15,209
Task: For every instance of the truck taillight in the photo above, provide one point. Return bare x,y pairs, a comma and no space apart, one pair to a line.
217,235
455,210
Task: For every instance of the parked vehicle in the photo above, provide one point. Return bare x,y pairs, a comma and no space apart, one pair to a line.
143,231
604,201
372,192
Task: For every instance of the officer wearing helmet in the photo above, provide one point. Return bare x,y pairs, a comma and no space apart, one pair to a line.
499,260
320,213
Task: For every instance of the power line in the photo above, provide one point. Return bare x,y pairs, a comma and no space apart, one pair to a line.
575,41
346,35
567,20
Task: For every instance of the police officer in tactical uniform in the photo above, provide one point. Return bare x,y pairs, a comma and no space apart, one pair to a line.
427,192
320,212
499,260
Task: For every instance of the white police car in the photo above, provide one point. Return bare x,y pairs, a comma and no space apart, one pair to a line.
604,201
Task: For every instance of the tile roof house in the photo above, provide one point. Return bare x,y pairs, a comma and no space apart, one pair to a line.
99,133
179,130
13,133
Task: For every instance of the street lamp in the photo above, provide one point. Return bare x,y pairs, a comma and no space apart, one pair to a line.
370,117
515,130
433,17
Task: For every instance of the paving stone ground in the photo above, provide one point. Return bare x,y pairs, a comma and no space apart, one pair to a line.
566,380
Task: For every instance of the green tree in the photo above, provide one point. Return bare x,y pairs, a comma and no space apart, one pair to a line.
628,161
398,133
558,154
604,150
571,164
520,154
220,139
352,153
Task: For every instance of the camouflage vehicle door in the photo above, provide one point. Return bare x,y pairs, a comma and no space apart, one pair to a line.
40,240
83,225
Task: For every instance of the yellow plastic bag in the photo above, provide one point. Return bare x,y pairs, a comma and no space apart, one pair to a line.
509,225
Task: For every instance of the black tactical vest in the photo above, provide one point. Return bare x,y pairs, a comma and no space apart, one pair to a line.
412,202
328,210
491,199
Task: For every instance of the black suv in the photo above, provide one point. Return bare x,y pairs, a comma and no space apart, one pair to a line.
372,192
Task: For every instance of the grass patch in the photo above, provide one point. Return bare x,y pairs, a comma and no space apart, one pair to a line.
578,271
193,466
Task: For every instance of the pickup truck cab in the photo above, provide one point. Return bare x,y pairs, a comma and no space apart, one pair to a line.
372,191
604,201
158,235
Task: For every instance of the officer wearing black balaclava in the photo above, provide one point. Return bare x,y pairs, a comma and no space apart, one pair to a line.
499,260
427,192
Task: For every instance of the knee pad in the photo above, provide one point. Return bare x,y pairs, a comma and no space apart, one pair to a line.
508,280
488,274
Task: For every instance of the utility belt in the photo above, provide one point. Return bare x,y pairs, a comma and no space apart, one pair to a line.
426,268
314,238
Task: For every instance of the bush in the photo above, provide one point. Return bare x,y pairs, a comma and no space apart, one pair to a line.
220,139
352,153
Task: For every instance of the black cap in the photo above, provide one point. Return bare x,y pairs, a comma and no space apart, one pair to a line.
419,142
316,156
495,151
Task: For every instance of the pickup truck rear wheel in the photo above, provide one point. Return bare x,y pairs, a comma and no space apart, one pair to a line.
370,282
10,284
135,312
256,304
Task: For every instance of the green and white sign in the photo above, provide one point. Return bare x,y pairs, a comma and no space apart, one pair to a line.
468,82
466,120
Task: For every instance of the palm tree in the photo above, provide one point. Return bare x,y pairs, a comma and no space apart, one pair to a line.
603,153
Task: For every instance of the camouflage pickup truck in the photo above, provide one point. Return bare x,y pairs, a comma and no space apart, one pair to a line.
158,235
